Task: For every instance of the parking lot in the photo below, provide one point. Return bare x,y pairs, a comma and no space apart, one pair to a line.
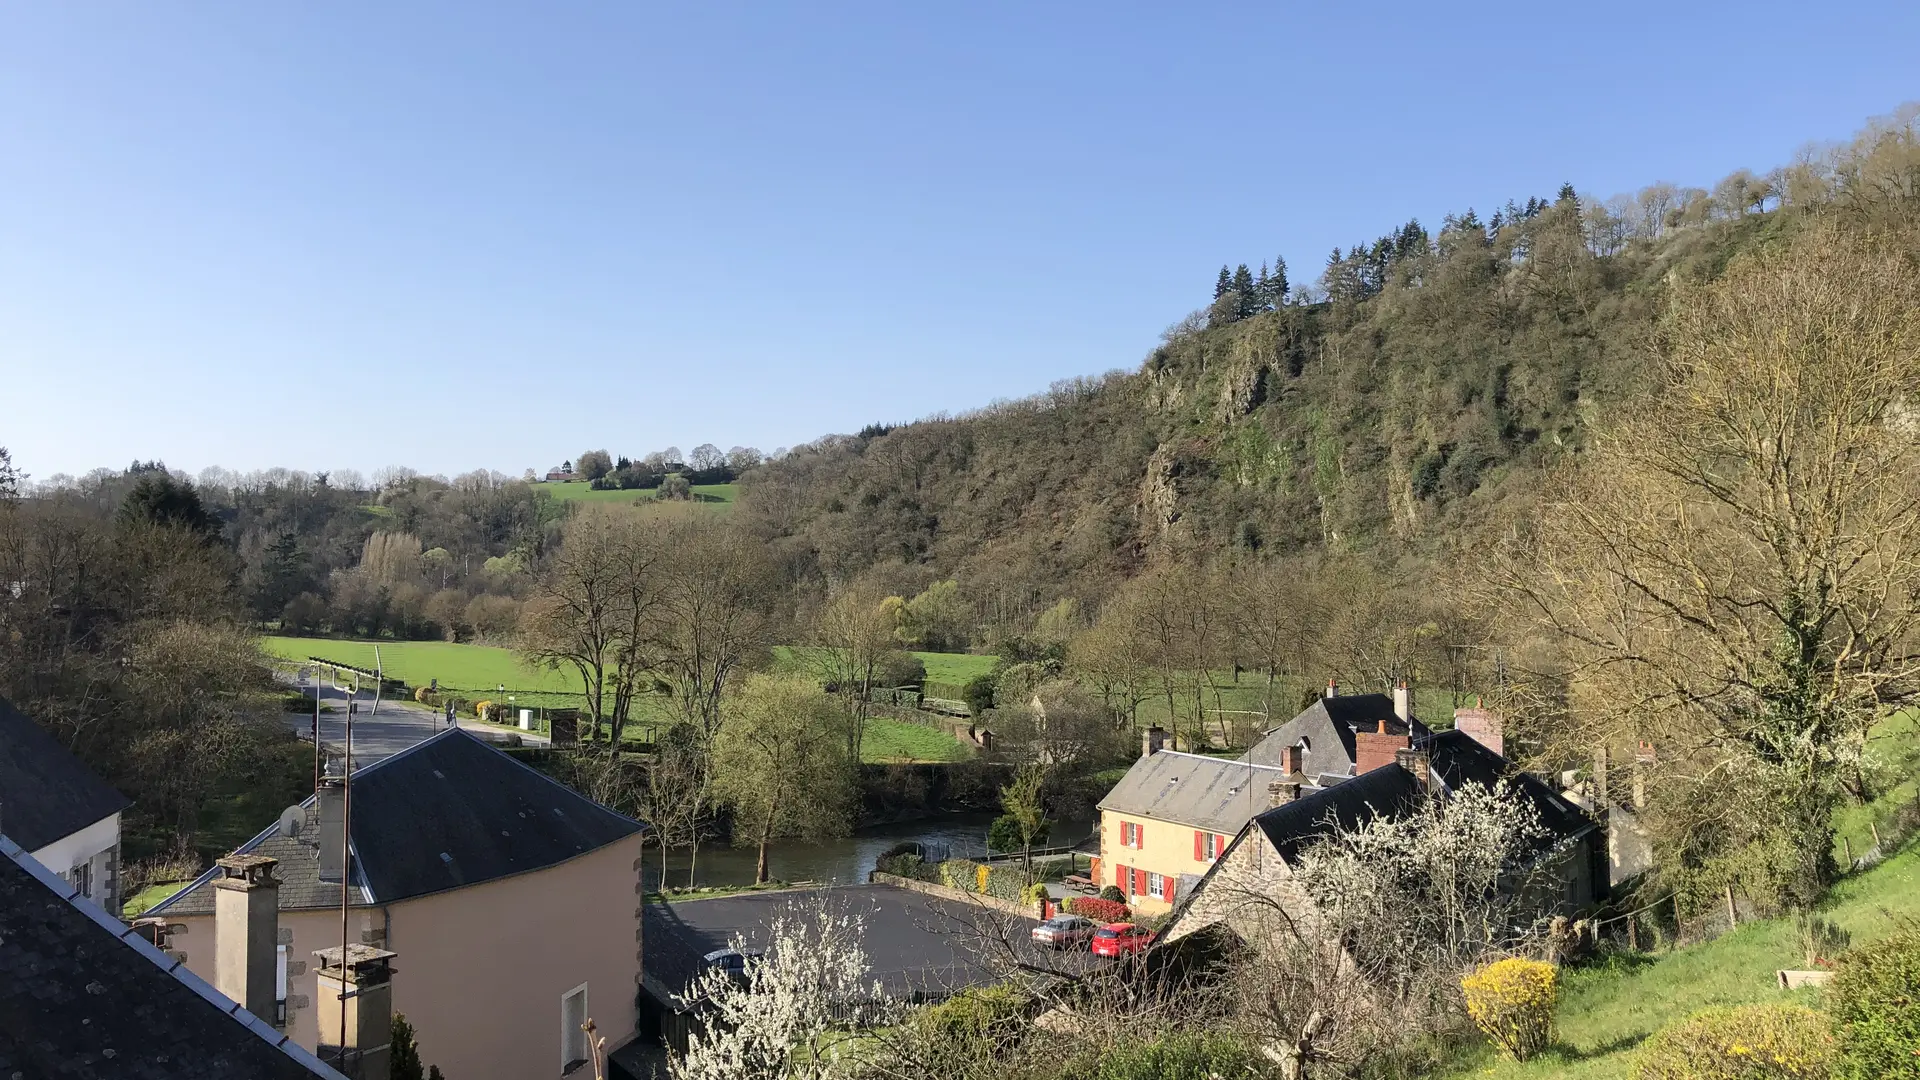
915,942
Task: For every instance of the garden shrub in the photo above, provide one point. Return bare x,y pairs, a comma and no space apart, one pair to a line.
1113,893
1034,893
1746,1042
906,864
1179,1056
962,874
422,693
985,1020
1099,909
482,708
1875,1001
1512,1002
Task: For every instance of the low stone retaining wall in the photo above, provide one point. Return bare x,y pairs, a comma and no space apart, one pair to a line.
958,895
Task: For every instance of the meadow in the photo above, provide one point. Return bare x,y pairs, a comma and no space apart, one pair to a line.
478,671
578,491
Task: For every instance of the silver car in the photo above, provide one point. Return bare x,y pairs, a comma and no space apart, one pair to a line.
1063,931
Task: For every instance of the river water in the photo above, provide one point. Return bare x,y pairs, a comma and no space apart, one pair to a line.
842,861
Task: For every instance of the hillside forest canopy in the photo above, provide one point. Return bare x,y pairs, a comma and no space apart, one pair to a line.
1361,477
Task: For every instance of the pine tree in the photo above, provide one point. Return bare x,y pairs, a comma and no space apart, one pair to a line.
1262,290
1277,281
1243,289
1224,285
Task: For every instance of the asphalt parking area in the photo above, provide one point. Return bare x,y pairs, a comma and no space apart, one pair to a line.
914,941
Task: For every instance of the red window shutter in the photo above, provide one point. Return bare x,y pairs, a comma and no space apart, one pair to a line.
1139,882
1199,846
1122,877
1219,846
1169,888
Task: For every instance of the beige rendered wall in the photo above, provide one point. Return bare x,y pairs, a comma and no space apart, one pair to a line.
1166,848
481,970
310,930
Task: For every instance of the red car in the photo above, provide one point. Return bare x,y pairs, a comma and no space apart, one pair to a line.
1121,938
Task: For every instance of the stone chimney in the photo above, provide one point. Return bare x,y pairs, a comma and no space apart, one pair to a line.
1282,792
1333,689
1152,741
1418,763
1375,749
246,931
1483,726
331,800
355,1039
1403,702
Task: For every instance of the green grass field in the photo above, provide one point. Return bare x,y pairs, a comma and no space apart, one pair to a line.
475,670
942,667
898,740
579,491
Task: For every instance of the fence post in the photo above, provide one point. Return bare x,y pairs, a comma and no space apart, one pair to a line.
1733,914
1875,830
1847,845
1676,919
1633,933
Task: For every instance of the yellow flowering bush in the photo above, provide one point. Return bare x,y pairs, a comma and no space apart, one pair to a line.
1512,1001
1746,1042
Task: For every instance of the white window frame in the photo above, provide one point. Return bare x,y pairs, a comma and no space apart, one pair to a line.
1211,846
568,1032
1156,885
280,985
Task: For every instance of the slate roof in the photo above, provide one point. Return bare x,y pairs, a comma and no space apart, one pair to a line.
1329,724
447,812
45,791
83,997
1389,791
1460,760
1207,793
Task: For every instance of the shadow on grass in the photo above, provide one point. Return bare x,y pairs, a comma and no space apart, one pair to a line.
1570,1054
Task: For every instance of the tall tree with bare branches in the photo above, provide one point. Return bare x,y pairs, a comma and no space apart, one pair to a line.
1732,573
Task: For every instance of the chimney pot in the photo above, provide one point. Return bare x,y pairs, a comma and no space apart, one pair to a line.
1333,689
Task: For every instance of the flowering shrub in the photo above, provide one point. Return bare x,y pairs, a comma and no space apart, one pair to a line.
1034,893
1875,1000
1747,1042
1097,909
1512,1001
482,708
422,693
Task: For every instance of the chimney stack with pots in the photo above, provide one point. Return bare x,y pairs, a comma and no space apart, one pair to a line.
1483,726
361,978
246,932
1333,689
1375,749
1403,702
1152,741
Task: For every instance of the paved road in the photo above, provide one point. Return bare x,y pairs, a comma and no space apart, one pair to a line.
914,941
395,727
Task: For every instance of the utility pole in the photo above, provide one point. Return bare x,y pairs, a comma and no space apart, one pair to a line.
346,874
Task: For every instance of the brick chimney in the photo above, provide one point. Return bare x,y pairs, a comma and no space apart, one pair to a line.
1375,749
1152,741
1403,702
246,931
1292,761
363,976
1483,726
1282,792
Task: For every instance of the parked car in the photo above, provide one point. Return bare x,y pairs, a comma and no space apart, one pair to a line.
1063,931
1121,939
732,961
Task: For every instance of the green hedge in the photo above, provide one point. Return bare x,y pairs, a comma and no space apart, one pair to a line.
1747,1042
1875,1000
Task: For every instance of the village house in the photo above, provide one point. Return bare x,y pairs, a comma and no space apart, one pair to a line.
1256,872
1163,825
510,899
82,995
53,806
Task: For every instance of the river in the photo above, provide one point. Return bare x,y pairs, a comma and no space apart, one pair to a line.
843,861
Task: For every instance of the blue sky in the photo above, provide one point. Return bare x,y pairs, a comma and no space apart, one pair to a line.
493,235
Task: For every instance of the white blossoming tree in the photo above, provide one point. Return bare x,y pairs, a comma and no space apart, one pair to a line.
812,976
